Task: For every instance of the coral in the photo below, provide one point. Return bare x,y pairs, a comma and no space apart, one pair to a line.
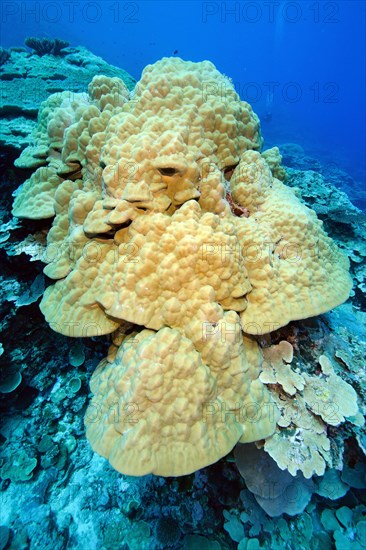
275,533
249,544
157,377
330,397
356,476
28,80
138,536
143,240
308,404
10,381
17,465
294,156
326,175
43,46
77,355
347,527
167,532
233,526
331,486
299,449
55,115
4,56
275,490
283,277
4,536
197,542
16,137
274,159
342,219
32,293
276,369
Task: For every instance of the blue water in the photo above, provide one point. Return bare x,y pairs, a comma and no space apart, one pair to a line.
300,63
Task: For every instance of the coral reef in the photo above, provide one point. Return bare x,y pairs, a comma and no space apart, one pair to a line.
270,485
171,210
333,178
307,404
53,488
344,221
27,80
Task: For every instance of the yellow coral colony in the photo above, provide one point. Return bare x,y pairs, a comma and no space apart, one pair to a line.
151,242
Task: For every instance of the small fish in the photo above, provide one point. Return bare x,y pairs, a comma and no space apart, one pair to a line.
175,52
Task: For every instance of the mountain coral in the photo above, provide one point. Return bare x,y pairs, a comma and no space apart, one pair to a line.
144,241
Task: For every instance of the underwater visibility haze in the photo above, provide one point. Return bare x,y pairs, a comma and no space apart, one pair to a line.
183,275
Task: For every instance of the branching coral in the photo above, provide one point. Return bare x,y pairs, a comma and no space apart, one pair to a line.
144,240
43,46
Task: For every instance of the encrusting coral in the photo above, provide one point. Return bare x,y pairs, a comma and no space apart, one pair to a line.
308,404
271,486
171,228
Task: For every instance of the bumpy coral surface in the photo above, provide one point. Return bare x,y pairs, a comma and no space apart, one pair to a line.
170,227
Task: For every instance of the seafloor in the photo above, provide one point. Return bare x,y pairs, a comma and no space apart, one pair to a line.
55,491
